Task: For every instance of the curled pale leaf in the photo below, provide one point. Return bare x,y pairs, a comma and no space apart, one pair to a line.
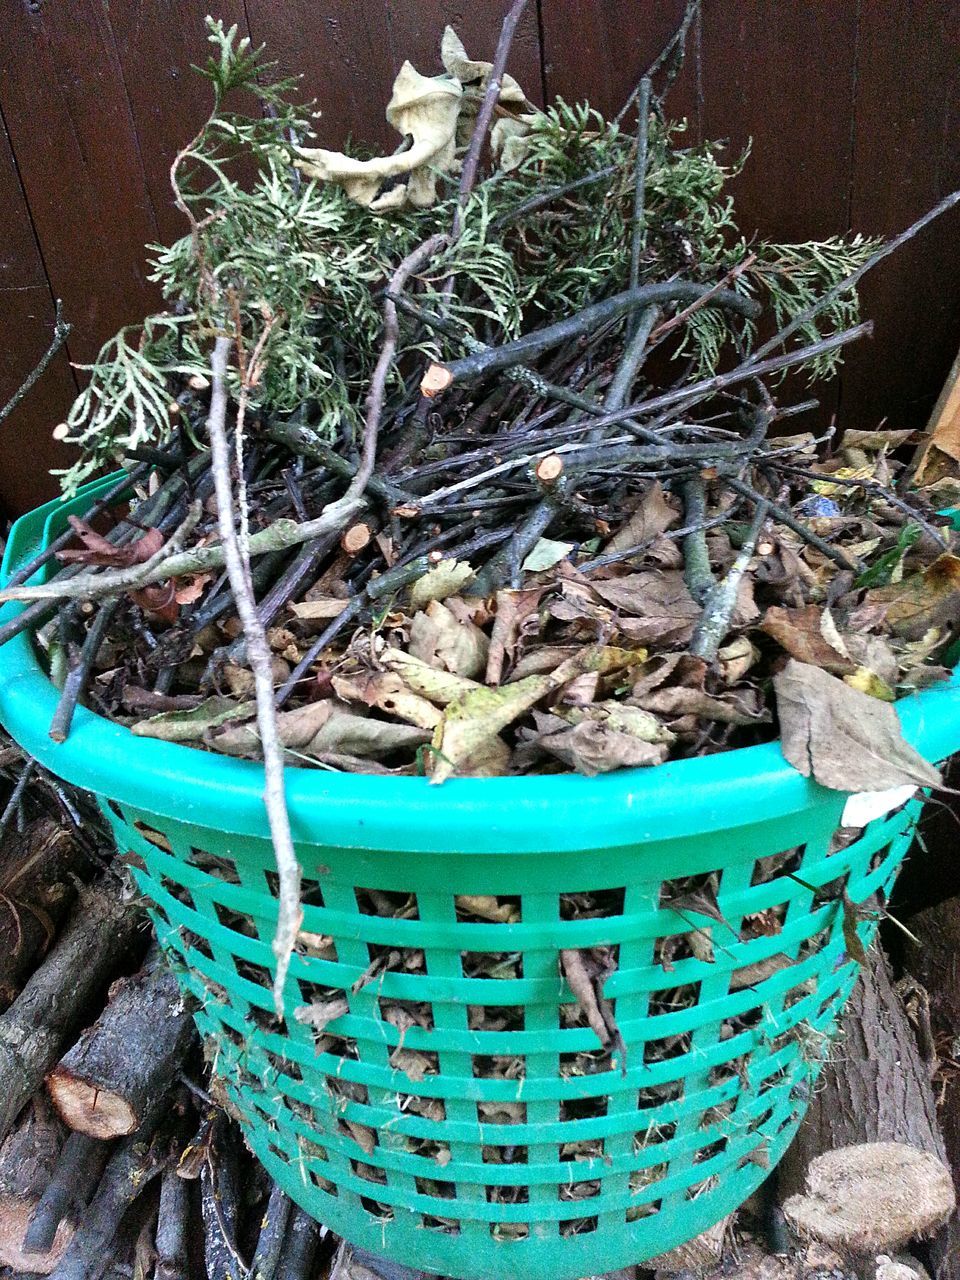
437,637
423,108
443,580
473,73
192,725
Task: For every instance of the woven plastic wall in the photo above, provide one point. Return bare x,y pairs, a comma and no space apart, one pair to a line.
405,1123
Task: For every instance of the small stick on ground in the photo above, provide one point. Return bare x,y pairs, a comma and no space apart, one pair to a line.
273,1231
61,332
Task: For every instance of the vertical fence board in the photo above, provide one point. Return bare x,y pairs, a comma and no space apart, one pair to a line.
27,450
906,157
65,106
342,50
157,42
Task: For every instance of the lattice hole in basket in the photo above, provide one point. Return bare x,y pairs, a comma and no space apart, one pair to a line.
437,1188
389,959
284,1066
387,904
404,1014
667,1047
486,909
311,892
505,1155
235,921
594,904
495,1017
499,1066
321,1183
502,1113
419,1104
416,1064
152,835
223,869
585,1063
830,892
369,1172
772,866
495,965
578,1226
591,1108
378,1210
196,942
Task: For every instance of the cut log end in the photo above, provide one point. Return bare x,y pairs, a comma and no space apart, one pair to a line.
15,1215
872,1197
356,538
550,469
435,381
97,1112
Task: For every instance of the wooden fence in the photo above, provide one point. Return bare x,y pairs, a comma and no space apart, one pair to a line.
853,107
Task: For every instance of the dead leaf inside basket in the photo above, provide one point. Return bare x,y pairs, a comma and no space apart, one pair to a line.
843,738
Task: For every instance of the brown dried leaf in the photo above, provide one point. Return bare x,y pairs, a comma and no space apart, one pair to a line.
843,738
924,600
387,692
660,607
515,618
652,517
439,639
800,632
581,984
741,707
591,748
100,551
318,1014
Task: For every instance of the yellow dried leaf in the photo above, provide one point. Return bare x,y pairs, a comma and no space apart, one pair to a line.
424,108
445,579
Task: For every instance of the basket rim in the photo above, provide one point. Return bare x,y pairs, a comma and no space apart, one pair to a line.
532,814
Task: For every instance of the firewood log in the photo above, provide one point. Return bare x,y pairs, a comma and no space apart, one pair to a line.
300,1247
173,1261
105,1084
28,1158
77,1171
876,1087
133,1163
34,1031
36,892
934,961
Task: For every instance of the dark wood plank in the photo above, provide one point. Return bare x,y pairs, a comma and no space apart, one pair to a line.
65,105
906,156
342,51
26,326
778,77
598,49
157,43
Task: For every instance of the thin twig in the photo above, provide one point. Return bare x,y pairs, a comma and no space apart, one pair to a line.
836,554
696,559
61,331
289,913
79,673
714,623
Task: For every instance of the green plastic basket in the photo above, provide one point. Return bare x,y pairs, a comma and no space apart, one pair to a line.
592,1171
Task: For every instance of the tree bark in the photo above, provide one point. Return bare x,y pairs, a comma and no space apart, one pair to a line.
133,1163
35,895
935,962
51,1007
876,1088
28,1158
106,1083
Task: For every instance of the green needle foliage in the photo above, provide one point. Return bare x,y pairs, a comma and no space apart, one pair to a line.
301,262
